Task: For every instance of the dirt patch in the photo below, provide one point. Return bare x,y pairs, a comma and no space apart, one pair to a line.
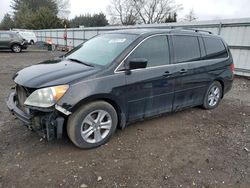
192,148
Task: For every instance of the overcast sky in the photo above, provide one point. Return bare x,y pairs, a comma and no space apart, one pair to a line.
204,10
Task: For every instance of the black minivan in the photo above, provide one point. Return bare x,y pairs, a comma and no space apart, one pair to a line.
120,77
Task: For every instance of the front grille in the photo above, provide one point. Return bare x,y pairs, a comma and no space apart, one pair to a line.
21,96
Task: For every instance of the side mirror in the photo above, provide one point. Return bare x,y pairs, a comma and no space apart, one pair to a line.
136,63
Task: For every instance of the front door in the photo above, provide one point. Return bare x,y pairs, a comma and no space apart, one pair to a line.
150,91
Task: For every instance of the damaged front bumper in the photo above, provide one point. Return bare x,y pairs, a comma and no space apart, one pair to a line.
48,124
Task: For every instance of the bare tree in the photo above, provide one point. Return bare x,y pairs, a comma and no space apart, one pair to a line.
155,11
191,16
142,11
63,8
122,12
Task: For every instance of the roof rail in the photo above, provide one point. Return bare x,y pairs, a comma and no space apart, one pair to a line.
191,29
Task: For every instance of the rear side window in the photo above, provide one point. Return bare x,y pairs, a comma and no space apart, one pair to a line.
215,48
155,50
186,48
5,36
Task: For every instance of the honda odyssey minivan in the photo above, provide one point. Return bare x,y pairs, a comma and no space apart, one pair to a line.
120,77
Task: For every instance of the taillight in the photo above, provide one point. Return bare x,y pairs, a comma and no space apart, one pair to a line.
232,68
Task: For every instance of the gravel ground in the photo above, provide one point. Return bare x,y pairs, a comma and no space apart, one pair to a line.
191,148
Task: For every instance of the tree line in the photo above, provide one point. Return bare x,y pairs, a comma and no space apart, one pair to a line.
49,14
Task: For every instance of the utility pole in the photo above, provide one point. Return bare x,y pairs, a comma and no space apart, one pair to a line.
65,36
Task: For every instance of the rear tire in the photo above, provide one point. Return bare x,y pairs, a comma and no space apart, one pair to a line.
92,124
16,48
213,96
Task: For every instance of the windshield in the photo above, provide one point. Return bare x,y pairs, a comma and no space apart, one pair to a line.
103,49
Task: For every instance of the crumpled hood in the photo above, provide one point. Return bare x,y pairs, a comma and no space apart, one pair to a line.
53,72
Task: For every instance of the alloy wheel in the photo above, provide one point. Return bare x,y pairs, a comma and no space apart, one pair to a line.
214,96
16,48
96,126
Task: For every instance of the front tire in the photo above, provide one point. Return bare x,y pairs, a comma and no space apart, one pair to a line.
92,124
213,96
16,48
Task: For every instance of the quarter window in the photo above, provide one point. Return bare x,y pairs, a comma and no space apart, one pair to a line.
215,48
154,49
186,48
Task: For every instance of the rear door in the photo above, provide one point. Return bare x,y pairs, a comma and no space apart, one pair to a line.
150,91
5,39
192,76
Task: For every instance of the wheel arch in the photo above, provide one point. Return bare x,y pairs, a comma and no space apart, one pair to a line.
222,85
109,99
15,43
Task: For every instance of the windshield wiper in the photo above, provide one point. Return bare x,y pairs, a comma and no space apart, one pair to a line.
79,61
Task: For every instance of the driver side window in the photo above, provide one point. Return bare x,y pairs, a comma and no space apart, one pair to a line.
155,49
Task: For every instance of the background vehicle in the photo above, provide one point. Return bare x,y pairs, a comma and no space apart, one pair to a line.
30,36
13,41
121,77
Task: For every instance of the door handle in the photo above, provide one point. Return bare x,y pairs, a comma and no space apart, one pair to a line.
183,71
167,74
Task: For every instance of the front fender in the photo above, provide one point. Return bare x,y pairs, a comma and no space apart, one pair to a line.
110,88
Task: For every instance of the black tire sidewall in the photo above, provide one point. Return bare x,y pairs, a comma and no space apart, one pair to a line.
205,102
75,122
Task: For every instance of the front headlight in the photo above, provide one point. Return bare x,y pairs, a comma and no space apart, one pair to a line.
46,97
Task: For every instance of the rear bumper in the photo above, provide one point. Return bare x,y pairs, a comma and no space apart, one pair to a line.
228,84
48,125
11,104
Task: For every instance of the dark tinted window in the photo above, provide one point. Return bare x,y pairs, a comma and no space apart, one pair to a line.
155,50
186,48
214,48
